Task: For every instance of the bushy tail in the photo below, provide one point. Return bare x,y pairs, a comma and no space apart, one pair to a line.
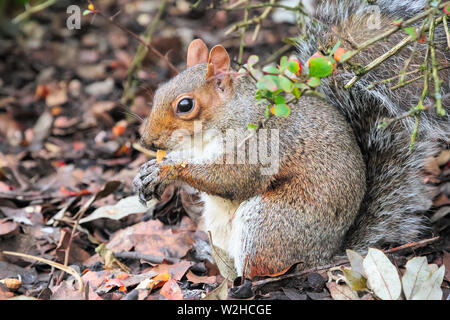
396,198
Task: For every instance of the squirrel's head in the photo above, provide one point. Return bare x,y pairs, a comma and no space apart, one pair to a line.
203,92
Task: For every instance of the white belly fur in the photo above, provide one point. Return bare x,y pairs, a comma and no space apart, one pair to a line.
218,215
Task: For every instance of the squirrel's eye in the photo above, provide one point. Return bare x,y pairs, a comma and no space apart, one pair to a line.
185,105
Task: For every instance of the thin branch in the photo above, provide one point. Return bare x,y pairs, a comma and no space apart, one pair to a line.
447,33
69,270
24,15
242,42
387,55
129,89
137,37
389,32
434,67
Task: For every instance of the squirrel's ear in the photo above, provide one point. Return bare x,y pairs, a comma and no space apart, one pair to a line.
197,53
218,61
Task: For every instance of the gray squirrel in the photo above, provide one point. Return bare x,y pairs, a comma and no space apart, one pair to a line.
342,182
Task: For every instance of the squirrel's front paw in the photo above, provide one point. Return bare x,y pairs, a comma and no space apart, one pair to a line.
148,182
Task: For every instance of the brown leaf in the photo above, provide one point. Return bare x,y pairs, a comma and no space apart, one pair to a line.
171,290
7,227
441,200
446,261
5,293
200,279
176,270
66,291
95,278
152,237
341,292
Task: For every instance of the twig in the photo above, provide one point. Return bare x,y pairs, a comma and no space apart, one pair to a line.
259,283
407,62
138,38
387,55
378,61
32,10
254,20
412,244
242,41
434,66
274,56
129,89
447,33
148,257
414,79
57,265
389,32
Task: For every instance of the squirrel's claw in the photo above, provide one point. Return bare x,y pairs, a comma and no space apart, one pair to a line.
138,188
147,182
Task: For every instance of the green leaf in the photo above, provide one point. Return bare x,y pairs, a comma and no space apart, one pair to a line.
297,93
285,83
282,110
256,73
267,83
242,71
293,66
267,111
252,59
313,82
271,69
300,85
283,63
447,9
252,126
320,67
279,100
354,279
346,55
336,46
86,12
411,31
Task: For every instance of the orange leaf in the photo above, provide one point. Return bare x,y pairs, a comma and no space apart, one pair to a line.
272,109
74,193
338,54
123,150
123,288
422,38
123,276
164,276
42,91
119,129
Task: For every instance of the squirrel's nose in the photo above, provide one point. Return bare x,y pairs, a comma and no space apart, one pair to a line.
147,143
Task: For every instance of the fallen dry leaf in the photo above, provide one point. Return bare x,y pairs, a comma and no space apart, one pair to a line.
341,291
171,290
382,276
7,227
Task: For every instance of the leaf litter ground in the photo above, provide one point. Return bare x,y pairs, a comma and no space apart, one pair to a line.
67,159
